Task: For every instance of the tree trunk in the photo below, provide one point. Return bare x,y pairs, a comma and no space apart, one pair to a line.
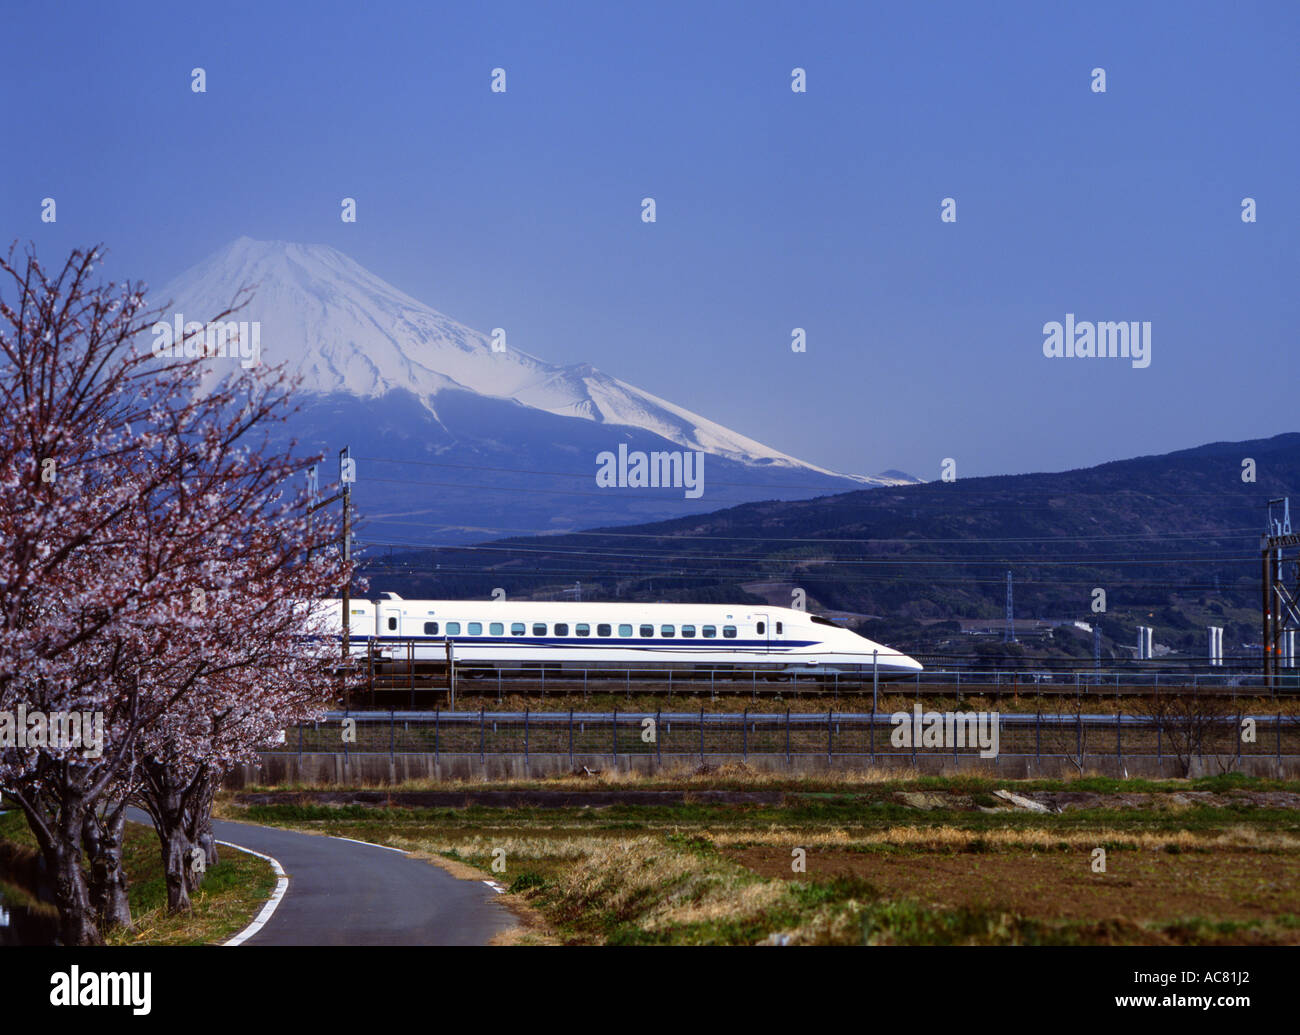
71,897
200,831
103,840
167,806
176,862
208,842
180,803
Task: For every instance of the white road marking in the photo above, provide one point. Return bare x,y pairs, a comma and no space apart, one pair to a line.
495,887
281,886
386,848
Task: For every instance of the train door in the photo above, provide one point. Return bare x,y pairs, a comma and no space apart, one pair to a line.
763,630
390,621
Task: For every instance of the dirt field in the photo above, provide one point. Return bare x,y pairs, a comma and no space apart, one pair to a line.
1137,885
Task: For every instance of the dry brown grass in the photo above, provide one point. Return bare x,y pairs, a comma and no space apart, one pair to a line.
681,776
524,935
661,886
947,838
659,883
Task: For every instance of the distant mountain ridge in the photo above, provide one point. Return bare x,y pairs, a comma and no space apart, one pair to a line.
1172,540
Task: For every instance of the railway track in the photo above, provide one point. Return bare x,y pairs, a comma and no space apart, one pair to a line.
428,685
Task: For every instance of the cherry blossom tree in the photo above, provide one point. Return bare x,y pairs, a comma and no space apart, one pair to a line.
280,671
156,570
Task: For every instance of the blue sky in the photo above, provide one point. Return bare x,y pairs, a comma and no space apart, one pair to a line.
775,210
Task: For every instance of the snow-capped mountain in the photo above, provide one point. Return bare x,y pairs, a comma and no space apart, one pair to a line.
379,365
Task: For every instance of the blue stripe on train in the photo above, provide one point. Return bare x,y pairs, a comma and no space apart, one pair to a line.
590,641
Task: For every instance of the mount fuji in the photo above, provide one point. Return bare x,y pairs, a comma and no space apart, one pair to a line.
455,441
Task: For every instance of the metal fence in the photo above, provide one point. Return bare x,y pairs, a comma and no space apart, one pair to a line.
701,735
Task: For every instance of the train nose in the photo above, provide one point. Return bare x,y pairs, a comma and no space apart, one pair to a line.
910,664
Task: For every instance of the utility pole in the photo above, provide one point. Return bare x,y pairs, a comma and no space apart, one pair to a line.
1280,611
1009,635
451,675
1266,584
347,475
313,501
875,683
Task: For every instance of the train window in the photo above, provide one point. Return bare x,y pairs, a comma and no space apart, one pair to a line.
496,628
539,628
688,630
667,630
778,628
518,628
603,630
728,632
762,628
476,628
392,623
453,628
582,629
709,631
561,628
625,630
430,628
647,630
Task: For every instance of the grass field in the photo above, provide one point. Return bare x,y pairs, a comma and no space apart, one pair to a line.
885,860
231,894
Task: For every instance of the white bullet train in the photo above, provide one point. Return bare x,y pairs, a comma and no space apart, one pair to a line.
527,632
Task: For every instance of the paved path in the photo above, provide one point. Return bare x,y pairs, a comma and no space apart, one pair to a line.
347,893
